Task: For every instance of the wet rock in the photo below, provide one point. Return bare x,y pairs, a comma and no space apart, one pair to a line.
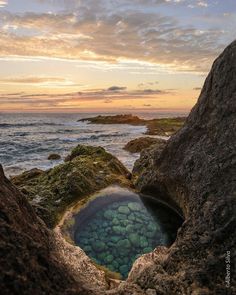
108,258
115,221
123,244
115,239
143,242
54,157
131,217
139,144
130,228
123,210
133,206
108,214
98,246
118,230
147,250
59,187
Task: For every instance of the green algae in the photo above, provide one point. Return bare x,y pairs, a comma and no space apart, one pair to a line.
52,192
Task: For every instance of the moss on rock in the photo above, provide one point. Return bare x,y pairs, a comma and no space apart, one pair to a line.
86,170
141,143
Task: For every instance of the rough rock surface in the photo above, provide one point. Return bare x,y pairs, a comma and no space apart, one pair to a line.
141,143
197,171
85,171
30,260
146,160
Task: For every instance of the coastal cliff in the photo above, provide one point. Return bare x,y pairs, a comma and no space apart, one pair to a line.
196,171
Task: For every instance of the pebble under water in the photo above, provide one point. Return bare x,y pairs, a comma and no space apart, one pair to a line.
119,226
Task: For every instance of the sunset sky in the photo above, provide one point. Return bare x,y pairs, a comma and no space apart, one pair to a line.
108,55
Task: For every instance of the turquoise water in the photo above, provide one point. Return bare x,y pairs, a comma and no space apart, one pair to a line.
119,226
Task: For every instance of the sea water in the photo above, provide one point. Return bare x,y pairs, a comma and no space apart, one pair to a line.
26,140
119,225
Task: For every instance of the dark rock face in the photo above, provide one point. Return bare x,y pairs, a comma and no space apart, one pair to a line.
26,263
197,171
146,160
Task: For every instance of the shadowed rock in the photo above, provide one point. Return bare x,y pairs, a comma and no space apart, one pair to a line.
29,262
197,172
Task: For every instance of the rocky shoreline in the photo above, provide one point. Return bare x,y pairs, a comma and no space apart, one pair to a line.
85,171
161,127
194,171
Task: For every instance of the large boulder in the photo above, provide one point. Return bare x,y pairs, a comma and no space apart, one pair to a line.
86,170
196,171
31,261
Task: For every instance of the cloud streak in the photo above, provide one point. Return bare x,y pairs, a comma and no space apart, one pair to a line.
3,3
39,81
100,34
106,96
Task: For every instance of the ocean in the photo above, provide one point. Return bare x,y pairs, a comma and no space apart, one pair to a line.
26,139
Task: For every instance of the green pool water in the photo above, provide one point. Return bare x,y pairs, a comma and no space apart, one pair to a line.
118,226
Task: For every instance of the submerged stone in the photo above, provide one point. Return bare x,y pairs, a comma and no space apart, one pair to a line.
147,250
123,210
123,243
134,239
119,232
109,258
118,229
115,221
134,206
109,214
98,246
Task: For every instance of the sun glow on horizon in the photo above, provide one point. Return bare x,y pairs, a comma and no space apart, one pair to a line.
56,56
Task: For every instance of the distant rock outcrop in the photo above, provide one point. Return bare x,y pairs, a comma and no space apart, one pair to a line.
115,119
161,126
196,171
